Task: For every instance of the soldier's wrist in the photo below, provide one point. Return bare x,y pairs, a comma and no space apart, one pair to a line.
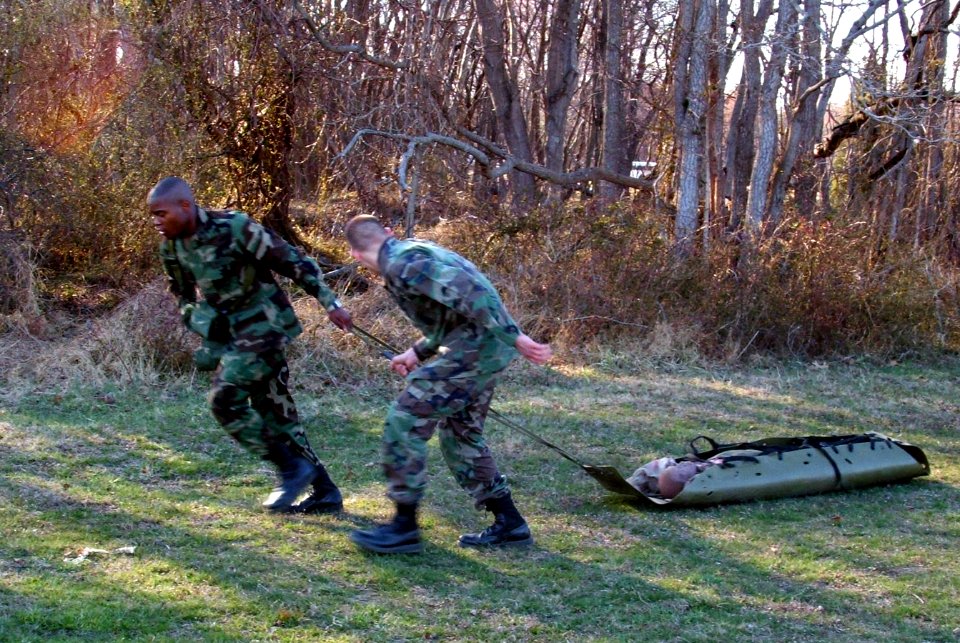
508,334
422,352
186,312
334,305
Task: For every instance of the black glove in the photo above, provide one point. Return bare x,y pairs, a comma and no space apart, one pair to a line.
207,357
220,329
186,312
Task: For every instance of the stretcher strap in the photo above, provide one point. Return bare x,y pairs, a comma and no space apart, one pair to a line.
766,447
836,469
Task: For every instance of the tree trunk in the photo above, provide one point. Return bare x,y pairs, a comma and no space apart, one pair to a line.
740,142
506,97
613,97
768,125
692,119
801,131
933,186
274,181
561,82
714,202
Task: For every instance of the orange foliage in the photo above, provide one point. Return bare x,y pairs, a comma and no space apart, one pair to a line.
71,82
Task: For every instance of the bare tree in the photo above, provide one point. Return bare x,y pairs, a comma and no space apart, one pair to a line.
561,82
692,119
801,126
768,126
613,111
903,130
740,152
241,92
502,80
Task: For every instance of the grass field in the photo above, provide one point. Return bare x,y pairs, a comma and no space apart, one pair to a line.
148,468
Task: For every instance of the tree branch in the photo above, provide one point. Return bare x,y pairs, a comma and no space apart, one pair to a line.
346,49
850,127
491,168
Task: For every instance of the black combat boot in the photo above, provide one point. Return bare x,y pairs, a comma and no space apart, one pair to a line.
296,472
402,536
325,499
509,529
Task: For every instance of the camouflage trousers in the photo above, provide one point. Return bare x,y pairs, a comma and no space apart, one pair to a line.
456,408
251,400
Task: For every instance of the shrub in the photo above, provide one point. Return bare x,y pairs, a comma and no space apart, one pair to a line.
137,343
577,276
18,288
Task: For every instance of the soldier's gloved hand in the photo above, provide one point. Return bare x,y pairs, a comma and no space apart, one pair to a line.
207,357
341,319
220,329
185,313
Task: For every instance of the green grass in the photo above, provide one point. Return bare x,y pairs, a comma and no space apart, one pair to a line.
150,468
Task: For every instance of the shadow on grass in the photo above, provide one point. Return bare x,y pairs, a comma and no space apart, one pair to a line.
210,583
628,421
88,608
866,565
192,581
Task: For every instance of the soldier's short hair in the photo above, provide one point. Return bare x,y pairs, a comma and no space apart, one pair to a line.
365,231
172,187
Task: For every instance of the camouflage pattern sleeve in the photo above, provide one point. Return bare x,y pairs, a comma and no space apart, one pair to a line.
426,347
275,254
180,281
462,288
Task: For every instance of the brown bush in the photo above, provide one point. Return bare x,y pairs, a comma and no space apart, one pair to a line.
814,290
326,356
19,303
603,286
139,342
582,278
17,283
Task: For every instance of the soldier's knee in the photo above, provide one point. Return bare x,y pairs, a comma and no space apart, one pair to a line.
414,406
399,424
224,397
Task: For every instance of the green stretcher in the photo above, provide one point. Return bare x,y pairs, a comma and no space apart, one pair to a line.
783,467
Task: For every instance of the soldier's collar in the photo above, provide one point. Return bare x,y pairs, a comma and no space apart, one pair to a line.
202,216
384,252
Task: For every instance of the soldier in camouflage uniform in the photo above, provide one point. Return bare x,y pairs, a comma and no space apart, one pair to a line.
245,321
470,338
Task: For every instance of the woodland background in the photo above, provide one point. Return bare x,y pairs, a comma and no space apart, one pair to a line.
731,219
718,178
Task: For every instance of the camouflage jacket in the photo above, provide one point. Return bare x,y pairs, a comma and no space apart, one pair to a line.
231,259
451,302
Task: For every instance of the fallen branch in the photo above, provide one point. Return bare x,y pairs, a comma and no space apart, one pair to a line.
491,168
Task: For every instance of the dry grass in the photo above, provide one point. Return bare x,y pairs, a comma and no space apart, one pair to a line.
138,343
601,287
19,306
576,275
142,342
